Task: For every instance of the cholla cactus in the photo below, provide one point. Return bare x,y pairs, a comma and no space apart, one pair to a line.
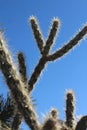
21,87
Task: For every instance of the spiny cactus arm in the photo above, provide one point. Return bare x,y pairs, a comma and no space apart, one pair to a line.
67,47
82,124
37,71
51,36
22,67
22,70
70,109
17,87
37,33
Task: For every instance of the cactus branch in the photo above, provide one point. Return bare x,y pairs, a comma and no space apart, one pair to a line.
51,37
22,67
69,109
82,124
37,71
17,87
37,33
66,48
22,70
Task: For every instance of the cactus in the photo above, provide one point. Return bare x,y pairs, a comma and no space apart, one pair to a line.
21,87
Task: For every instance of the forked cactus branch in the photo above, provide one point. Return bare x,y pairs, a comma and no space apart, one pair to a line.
46,57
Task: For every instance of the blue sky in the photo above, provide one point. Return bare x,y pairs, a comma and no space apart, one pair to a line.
67,73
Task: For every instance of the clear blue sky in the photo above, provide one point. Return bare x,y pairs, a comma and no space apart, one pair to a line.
67,73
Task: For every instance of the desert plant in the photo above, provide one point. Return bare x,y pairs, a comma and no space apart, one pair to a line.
21,87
